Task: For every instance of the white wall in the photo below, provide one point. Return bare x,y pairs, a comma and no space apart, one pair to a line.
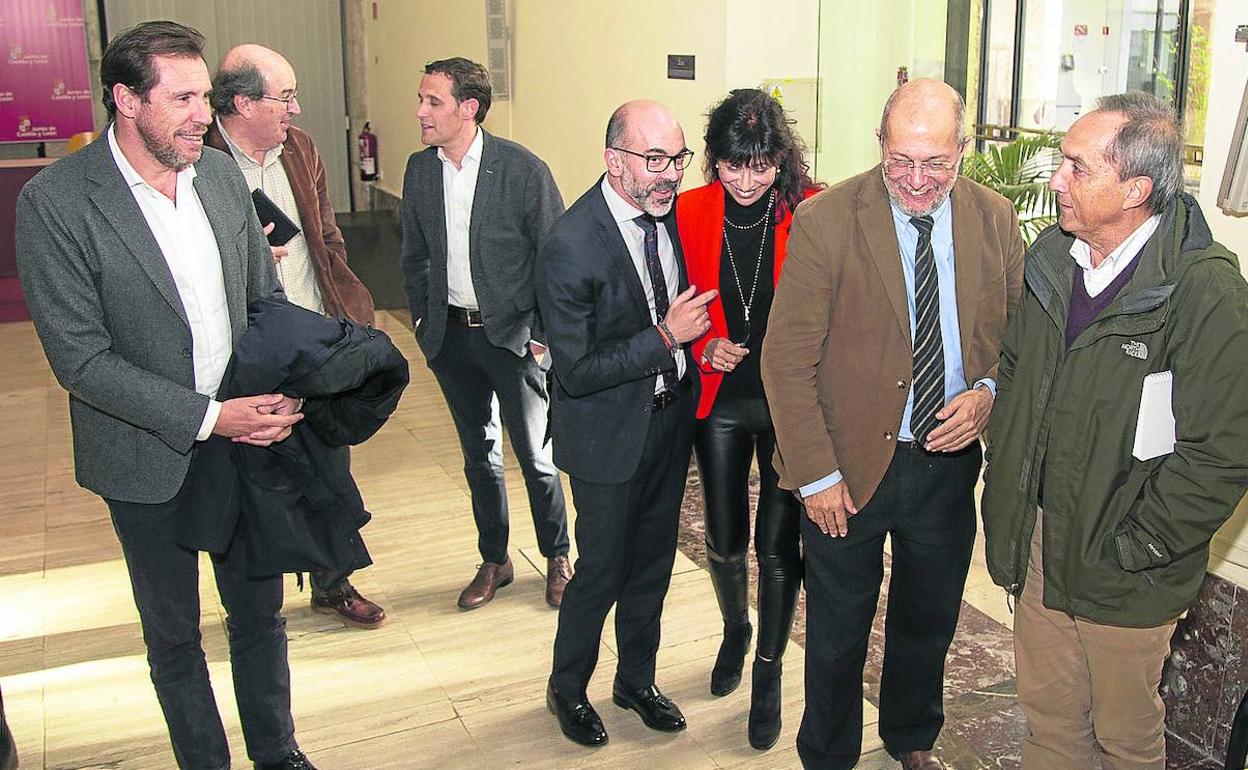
1226,89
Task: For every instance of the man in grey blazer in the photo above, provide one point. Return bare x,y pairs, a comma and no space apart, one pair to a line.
138,256
475,210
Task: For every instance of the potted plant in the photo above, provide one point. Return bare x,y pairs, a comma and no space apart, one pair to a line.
1020,171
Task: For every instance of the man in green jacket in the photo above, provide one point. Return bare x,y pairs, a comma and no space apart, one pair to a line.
1098,510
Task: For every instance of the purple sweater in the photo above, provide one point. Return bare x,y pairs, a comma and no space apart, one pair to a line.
1085,309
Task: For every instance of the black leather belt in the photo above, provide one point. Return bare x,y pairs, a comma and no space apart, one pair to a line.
665,398
464,316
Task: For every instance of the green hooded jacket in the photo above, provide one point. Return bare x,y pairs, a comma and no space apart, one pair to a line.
1126,542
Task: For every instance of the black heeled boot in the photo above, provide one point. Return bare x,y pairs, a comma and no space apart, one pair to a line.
764,727
729,579
8,752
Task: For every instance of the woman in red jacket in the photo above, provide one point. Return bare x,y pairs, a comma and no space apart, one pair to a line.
733,232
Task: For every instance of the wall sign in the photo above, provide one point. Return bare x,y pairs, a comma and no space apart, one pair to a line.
45,84
680,66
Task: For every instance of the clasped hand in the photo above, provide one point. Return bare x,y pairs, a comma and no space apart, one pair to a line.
258,420
723,355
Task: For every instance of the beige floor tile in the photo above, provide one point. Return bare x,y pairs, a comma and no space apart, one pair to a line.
434,687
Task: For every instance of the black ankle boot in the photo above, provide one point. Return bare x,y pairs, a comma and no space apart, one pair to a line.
764,727
726,675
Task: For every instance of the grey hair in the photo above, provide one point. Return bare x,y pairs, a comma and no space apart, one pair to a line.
243,80
959,109
616,125
1149,143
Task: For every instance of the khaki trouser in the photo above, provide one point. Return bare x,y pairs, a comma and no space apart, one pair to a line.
1088,690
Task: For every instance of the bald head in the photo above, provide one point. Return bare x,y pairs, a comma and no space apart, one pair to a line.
926,105
250,71
649,115
253,94
921,144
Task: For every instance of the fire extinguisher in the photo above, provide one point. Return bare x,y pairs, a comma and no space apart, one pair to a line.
368,155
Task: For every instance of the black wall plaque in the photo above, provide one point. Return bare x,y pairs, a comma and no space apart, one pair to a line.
680,66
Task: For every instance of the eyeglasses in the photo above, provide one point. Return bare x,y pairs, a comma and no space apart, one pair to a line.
286,100
898,166
657,163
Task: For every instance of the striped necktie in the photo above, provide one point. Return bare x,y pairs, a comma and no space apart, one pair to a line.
929,352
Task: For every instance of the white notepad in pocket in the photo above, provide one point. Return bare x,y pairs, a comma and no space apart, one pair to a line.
1154,428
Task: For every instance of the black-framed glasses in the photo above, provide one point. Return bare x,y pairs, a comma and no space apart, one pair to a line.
286,100
657,163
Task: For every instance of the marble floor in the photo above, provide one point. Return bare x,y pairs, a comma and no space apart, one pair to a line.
434,687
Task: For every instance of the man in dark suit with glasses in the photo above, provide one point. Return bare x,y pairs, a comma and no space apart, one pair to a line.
619,313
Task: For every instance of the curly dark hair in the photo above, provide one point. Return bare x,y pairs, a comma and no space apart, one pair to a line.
749,126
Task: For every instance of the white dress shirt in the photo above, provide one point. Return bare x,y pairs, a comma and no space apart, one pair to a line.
459,185
295,271
625,215
189,246
1095,279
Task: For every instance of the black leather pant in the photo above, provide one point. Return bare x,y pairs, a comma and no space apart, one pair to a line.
724,443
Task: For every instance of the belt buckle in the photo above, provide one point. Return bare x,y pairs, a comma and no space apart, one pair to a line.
664,398
471,323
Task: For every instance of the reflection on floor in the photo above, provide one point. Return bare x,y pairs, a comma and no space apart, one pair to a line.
435,687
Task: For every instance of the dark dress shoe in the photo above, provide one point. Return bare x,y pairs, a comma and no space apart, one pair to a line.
920,760
490,577
764,725
577,720
353,609
726,674
558,573
295,760
657,712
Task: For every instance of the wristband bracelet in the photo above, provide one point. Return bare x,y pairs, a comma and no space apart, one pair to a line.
669,339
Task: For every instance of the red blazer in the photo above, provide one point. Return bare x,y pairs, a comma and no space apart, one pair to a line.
700,220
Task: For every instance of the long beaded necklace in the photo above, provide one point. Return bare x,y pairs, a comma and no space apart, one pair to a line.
748,302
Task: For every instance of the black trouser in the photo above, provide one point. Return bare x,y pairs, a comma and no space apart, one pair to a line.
725,441
925,504
626,539
472,372
327,583
165,579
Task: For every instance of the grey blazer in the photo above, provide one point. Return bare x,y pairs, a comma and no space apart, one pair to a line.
515,203
110,319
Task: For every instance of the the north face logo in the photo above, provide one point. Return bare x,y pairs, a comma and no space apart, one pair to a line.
1135,349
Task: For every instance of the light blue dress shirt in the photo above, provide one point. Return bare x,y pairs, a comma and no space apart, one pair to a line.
950,336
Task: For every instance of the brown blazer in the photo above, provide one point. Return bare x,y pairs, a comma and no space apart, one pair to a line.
341,291
838,359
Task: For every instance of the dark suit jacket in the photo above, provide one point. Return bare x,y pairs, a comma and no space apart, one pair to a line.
342,293
838,359
111,321
515,203
605,350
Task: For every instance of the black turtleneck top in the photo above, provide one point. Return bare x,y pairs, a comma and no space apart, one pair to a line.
748,247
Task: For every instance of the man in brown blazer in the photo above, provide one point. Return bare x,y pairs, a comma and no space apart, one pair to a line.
255,97
879,368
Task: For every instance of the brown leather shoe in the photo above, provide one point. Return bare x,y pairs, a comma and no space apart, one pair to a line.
490,577
558,573
353,609
920,760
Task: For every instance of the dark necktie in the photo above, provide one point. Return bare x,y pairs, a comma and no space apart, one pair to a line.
929,352
657,280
